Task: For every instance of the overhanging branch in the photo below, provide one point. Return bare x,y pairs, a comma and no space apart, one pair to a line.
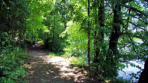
136,10
126,1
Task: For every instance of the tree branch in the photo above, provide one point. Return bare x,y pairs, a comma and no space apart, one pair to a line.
136,10
125,1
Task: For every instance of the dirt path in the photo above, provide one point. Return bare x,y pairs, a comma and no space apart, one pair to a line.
45,69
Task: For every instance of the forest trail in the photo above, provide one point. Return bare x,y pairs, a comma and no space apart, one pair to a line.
43,68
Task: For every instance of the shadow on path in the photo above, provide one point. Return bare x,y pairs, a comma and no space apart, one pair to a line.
45,69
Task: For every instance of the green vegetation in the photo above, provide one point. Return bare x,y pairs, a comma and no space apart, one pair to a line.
12,61
78,61
98,34
52,55
120,81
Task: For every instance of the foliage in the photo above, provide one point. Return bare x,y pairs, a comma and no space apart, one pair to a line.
12,65
52,54
117,30
120,81
77,40
129,45
13,14
78,61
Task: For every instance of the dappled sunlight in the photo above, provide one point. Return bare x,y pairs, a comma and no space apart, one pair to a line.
43,68
58,60
73,41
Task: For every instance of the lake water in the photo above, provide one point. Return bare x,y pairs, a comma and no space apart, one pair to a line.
126,72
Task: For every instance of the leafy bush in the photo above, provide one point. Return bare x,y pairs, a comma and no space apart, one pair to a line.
79,61
120,81
52,54
11,64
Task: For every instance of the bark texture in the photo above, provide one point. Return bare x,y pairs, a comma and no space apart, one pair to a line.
88,55
99,31
115,34
144,75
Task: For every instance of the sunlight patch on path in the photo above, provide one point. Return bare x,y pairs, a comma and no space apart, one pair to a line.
65,70
58,61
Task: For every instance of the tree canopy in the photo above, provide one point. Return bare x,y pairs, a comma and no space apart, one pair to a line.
103,32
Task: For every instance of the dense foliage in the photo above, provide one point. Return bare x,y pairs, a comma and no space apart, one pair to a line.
13,14
101,33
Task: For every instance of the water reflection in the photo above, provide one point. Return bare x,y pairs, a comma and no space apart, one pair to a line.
126,73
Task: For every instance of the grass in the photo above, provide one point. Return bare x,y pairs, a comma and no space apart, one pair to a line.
52,54
79,61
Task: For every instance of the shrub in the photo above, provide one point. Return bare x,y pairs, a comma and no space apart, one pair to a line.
11,63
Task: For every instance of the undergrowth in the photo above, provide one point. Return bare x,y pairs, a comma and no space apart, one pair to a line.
120,80
11,65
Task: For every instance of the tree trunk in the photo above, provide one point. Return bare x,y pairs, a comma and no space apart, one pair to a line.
54,27
88,55
99,33
144,75
115,34
53,30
